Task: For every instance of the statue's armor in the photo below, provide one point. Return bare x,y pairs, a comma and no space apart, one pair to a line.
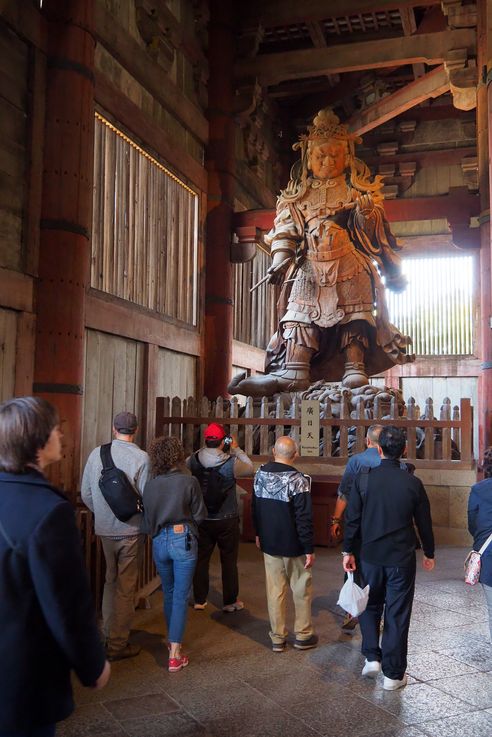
333,282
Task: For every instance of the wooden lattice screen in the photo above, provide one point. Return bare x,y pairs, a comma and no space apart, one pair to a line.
144,232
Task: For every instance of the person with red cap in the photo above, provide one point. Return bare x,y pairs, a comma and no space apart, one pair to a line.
217,466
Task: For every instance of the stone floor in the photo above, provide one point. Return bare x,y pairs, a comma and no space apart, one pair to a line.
236,686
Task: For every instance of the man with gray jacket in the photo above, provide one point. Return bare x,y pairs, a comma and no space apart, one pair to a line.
122,542
213,466
283,520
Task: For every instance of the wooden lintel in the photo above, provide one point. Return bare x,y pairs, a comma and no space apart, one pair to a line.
430,48
140,65
115,316
432,84
16,290
285,12
458,207
148,132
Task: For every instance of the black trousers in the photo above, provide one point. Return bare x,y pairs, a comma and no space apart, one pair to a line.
392,588
225,534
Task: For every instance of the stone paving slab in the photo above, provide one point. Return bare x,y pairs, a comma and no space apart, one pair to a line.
235,686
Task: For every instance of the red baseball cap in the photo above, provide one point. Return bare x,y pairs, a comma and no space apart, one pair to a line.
214,431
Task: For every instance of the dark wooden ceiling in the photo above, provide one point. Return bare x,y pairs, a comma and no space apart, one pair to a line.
350,54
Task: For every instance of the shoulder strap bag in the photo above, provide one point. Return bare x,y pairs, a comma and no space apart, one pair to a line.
473,563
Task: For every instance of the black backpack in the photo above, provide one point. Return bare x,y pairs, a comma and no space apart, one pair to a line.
214,484
117,489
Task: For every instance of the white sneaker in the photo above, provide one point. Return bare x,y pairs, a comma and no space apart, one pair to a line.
393,684
236,607
371,669
200,607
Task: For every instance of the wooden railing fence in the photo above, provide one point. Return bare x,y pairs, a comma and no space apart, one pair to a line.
431,442
148,580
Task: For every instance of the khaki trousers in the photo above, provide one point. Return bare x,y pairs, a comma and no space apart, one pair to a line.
118,605
280,574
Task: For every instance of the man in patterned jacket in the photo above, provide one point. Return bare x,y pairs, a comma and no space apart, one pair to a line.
283,521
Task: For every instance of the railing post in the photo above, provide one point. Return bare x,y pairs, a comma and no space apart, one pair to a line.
412,431
466,429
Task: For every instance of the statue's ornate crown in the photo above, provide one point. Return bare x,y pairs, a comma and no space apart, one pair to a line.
327,125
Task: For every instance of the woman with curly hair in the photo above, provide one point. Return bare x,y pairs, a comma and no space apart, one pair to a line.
174,508
480,526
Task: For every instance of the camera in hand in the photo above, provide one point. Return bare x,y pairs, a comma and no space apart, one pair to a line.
227,443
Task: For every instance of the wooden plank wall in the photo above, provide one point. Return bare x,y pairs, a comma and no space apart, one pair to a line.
176,374
14,63
8,340
144,234
114,377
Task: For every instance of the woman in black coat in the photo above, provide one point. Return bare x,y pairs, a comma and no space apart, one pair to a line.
48,623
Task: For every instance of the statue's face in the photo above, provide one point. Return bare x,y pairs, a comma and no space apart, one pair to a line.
329,159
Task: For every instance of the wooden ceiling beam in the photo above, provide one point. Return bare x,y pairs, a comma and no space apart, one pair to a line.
430,48
286,12
430,157
432,84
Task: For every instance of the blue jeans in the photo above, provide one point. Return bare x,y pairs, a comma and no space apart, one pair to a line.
175,555
48,731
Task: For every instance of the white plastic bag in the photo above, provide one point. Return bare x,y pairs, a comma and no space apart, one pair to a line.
352,598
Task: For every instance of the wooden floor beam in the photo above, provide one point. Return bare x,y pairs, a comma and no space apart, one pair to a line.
429,48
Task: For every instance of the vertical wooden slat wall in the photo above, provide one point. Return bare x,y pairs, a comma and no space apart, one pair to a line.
436,308
255,312
144,229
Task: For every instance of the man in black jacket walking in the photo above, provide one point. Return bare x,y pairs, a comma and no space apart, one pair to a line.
384,503
283,520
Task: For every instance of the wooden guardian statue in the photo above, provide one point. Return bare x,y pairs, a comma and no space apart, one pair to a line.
330,246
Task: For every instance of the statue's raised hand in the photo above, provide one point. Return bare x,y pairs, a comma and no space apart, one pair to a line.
365,204
280,264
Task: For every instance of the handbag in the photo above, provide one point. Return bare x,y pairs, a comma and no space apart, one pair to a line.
473,563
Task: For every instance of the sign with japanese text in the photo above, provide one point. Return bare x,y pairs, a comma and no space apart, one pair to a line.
309,428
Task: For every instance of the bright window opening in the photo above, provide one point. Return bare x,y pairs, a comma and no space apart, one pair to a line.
436,309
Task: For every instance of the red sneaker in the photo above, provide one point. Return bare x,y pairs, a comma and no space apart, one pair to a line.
176,664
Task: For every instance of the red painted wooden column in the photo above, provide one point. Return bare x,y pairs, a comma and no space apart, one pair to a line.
64,255
484,135
220,164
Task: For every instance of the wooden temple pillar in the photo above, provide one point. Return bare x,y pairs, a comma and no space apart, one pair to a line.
220,164
484,145
64,254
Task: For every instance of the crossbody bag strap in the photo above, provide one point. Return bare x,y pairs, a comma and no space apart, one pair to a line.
106,457
485,545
